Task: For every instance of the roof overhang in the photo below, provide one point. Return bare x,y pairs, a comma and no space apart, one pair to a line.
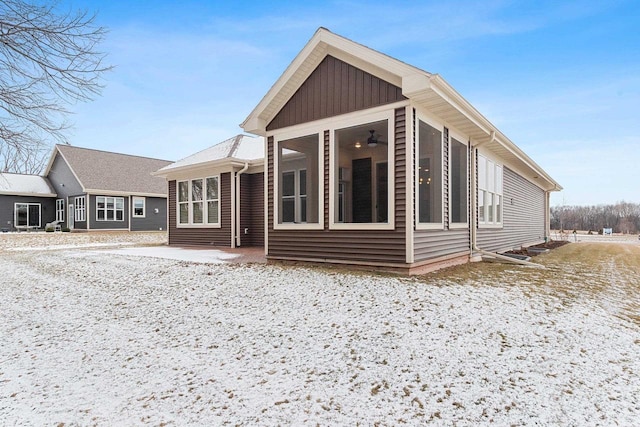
225,164
425,90
435,95
12,193
98,192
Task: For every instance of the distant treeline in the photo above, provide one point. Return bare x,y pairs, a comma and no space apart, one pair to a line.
622,217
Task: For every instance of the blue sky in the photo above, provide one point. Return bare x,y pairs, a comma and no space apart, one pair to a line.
560,78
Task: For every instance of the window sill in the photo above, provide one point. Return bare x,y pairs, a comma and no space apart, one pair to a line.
301,226
198,226
362,226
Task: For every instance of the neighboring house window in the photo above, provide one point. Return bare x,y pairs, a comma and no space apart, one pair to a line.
298,181
138,207
429,175
80,209
489,192
199,201
361,170
109,208
60,210
27,215
459,165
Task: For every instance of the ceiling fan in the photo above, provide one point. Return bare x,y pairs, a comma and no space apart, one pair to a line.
373,141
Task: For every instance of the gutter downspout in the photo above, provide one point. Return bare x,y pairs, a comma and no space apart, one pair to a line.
237,202
474,212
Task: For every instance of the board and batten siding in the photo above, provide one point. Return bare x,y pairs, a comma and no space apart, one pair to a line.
201,236
524,205
252,209
333,88
354,246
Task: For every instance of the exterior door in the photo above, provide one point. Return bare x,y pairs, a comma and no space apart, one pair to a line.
70,217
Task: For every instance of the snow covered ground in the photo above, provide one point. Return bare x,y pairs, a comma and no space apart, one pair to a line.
116,337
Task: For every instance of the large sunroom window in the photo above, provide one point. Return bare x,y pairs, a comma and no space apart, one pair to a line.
458,169
489,192
361,174
298,179
429,179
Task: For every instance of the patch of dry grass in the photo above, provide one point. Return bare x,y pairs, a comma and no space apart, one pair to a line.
607,274
42,239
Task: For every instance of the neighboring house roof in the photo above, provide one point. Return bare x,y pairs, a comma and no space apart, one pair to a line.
425,89
236,150
113,173
18,184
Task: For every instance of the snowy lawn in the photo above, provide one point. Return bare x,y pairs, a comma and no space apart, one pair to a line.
107,338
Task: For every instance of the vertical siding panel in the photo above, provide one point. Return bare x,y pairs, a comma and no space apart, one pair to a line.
334,88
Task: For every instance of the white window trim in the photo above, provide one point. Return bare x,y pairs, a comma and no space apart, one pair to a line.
133,207
464,141
416,183
115,209
60,210
277,140
205,205
485,224
359,120
80,209
15,215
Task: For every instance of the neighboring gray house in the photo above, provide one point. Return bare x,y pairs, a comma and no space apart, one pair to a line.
26,201
370,161
216,196
101,190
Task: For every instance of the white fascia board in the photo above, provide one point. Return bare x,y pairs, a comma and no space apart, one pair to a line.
10,193
454,98
254,120
51,159
98,192
220,165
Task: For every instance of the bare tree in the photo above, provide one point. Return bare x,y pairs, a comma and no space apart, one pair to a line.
48,62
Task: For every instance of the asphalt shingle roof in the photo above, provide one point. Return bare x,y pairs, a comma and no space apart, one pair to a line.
107,171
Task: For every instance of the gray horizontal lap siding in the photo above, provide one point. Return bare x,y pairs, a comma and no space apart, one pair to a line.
364,246
94,224
197,236
62,180
523,219
7,206
152,220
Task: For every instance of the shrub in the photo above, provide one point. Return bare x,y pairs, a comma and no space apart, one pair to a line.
65,230
49,229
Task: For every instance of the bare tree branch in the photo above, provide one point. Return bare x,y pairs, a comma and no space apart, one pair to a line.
48,62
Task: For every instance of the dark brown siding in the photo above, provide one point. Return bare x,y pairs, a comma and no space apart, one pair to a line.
334,88
252,209
381,246
203,236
